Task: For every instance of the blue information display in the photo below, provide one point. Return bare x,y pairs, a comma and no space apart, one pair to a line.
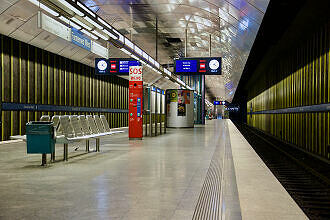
186,66
219,103
125,64
198,66
114,66
138,107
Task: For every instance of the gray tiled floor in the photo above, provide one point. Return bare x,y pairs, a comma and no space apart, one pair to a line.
157,178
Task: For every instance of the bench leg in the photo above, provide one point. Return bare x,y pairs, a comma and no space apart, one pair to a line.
65,154
43,159
97,144
52,156
87,146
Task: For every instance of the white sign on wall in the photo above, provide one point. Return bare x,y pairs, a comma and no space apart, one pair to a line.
135,73
100,50
52,26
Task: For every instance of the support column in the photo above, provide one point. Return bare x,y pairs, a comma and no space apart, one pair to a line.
165,113
161,110
186,43
203,99
156,114
150,113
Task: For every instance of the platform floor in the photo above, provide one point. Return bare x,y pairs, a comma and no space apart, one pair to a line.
163,177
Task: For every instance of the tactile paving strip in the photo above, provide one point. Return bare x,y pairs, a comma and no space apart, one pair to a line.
209,201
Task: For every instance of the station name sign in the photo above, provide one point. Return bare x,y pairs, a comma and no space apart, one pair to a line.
80,40
114,66
198,66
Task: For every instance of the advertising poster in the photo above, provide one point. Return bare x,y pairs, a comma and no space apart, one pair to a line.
173,96
181,109
184,97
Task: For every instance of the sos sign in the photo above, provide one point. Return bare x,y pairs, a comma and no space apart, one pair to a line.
135,73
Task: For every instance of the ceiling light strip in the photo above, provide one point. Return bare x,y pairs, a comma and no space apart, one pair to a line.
93,22
100,35
86,9
81,23
89,34
110,34
44,7
70,23
71,7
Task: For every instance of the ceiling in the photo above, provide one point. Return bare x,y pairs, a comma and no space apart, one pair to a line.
232,24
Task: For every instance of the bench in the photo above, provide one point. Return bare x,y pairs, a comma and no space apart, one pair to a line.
69,129
78,128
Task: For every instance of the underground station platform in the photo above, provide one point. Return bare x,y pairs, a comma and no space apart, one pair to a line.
165,109
205,172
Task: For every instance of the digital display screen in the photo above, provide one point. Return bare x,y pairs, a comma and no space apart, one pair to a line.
219,103
125,64
198,66
186,66
114,66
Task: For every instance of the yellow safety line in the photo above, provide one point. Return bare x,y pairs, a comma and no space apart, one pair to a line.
20,84
55,83
11,84
28,79
42,78
48,80
65,78
70,86
60,80
35,79
2,90
77,86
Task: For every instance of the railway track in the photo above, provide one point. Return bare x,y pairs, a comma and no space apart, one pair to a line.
305,178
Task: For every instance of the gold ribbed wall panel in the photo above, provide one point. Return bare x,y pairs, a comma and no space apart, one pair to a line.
301,78
32,75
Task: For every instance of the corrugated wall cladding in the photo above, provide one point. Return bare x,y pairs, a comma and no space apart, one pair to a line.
300,79
32,75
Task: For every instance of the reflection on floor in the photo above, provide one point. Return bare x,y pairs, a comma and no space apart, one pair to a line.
157,178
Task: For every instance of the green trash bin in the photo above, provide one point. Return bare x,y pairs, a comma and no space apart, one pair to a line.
40,137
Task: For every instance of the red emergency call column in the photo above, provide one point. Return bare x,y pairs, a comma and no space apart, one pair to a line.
135,126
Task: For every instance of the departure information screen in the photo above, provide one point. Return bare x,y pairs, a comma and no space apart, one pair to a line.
198,66
186,66
219,103
125,64
114,66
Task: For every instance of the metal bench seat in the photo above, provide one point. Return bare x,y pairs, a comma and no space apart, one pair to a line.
54,119
75,128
